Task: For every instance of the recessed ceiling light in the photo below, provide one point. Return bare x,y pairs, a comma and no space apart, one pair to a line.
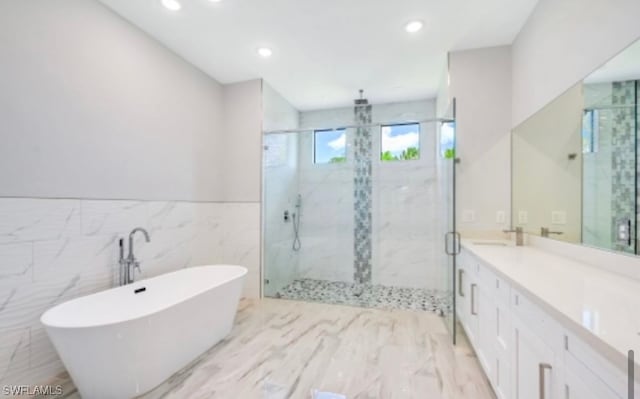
265,52
413,26
215,1
173,5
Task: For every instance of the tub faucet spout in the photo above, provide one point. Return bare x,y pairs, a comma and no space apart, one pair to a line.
127,276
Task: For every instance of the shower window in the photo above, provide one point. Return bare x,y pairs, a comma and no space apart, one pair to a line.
329,146
447,140
400,142
590,131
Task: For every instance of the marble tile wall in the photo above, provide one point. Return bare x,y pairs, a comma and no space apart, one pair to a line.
52,250
406,229
327,223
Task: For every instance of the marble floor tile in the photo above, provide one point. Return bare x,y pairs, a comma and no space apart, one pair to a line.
287,349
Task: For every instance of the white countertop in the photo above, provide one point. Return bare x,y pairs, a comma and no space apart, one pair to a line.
587,300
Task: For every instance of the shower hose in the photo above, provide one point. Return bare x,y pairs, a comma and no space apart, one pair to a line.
296,232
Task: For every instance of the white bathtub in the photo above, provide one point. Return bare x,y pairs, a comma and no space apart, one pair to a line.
119,344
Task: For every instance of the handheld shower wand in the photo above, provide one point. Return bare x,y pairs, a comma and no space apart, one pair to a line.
297,244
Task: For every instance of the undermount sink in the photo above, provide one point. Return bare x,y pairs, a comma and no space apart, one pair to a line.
492,243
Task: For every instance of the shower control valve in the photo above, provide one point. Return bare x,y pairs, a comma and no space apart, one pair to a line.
286,216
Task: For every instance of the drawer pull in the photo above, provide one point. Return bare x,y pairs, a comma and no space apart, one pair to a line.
542,367
460,285
473,299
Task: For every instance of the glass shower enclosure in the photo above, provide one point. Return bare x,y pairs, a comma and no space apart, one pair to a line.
358,208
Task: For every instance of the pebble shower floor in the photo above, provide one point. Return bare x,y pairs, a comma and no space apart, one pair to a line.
373,296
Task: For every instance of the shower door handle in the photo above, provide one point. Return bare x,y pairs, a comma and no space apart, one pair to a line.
456,243
446,243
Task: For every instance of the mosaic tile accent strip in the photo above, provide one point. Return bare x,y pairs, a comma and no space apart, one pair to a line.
373,296
362,192
623,160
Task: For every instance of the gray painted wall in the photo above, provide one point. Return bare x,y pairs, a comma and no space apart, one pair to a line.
242,142
564,41
91,107
481,85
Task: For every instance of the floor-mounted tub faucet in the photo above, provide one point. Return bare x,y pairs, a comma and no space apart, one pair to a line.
127,276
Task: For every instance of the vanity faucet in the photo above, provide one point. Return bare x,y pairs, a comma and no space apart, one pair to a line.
127,276
545,232
519,235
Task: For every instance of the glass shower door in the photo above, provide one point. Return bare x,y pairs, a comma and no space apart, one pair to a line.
281,212
308,208
450,234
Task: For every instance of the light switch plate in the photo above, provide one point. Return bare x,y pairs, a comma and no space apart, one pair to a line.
523,217
558,217
468,216
624,231
501,217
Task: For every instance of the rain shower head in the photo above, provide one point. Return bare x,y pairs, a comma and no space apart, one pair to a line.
361,100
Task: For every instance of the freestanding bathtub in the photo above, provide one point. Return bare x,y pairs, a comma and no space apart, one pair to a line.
122,342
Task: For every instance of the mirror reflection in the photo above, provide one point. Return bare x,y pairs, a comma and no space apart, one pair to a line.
575,162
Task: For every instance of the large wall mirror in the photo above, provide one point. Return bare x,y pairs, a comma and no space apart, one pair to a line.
575,162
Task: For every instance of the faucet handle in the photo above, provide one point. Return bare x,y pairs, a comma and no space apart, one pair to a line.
136,265
545,232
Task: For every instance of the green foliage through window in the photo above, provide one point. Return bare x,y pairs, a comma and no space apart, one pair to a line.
400,142
406,155
450,153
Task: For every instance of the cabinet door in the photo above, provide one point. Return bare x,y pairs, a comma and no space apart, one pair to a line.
472,314
487,332
575,387
535,376
504,351
462,292
502,384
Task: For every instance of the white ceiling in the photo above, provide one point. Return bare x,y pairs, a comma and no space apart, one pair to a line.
624,66
324,51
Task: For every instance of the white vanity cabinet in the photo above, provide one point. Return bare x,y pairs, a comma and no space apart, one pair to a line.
480,311
485,314
525,353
